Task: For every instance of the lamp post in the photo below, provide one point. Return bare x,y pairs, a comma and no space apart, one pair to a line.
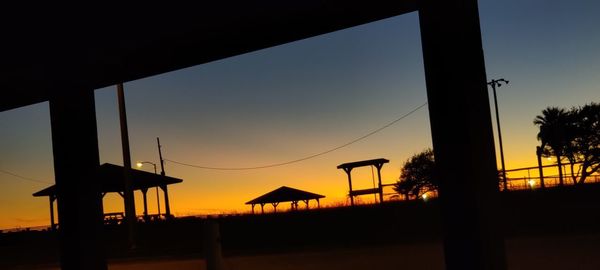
139,165
499,83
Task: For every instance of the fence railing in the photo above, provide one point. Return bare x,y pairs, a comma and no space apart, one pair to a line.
525,182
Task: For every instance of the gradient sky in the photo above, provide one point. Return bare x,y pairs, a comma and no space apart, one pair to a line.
301,98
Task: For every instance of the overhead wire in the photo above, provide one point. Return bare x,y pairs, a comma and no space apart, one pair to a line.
303,158
23,177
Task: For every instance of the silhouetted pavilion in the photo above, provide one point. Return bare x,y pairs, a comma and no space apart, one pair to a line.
377,163
110,177
285,194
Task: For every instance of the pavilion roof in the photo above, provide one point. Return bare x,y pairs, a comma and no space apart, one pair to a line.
285,194
362,163
111,179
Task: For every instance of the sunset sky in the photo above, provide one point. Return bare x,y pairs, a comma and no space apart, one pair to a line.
302,98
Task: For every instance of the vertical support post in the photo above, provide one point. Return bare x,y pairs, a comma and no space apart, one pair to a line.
76,161
128,192
378,166
144,191
52,224
462,135
167,205
157,202
348,172
212,246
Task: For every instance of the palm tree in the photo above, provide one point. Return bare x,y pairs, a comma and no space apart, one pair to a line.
553,134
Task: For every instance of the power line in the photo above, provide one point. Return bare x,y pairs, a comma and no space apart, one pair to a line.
23,177
304,158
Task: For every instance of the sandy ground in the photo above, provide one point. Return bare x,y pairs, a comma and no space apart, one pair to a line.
561,252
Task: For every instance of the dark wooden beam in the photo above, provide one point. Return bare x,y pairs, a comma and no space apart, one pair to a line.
461,130
46,48
76,161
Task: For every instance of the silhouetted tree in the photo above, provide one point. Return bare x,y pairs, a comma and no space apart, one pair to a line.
554,133
417,175
585,145
574,135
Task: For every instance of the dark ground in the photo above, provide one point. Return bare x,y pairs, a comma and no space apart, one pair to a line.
554,227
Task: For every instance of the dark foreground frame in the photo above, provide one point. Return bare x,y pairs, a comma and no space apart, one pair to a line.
65,74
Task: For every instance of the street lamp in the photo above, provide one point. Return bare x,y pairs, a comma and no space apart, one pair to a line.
499,83
139,164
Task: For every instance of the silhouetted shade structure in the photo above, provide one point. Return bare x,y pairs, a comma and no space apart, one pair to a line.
285,194
110,178
377,163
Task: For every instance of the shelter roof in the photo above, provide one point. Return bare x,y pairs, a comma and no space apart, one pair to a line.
111,179
370,162
285,194
57,49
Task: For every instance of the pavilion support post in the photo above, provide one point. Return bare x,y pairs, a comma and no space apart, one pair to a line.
52,223
253,209
462,136
379,166
262,208
318,204
76,161
145,198
167,205
306,202
348,172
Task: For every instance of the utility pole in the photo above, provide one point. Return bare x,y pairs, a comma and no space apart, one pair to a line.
499,83
164,187
128,185
162,164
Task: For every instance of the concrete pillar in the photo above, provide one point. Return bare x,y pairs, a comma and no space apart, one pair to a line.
462,136
76,161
